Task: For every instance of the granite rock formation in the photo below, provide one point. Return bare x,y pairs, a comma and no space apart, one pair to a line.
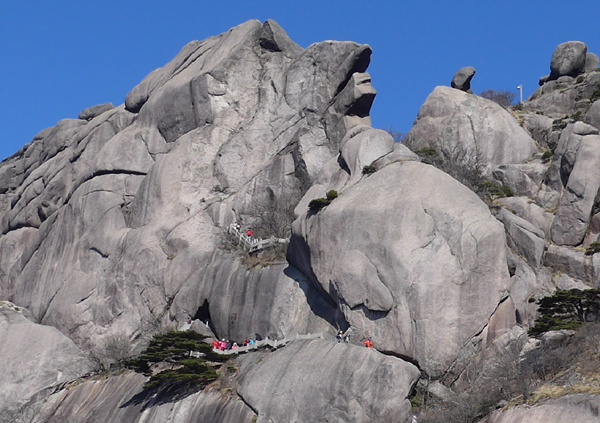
114,227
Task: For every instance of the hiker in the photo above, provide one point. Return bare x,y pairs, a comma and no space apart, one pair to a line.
339,336
234,346
251,342
216,345
223,345
347,339
189,320
368,343
246,342
249,234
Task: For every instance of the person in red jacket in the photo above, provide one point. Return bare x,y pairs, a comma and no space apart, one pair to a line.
368,343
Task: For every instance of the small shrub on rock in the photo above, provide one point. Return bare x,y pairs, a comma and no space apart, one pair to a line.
368,170
547,156
596,94
320,203
592,249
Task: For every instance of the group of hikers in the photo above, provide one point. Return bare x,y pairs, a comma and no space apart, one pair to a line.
226,345
346,338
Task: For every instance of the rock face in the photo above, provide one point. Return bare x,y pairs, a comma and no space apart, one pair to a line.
469,132
36,359
135,206
568,59
462,79
117,399
581,408
336,389
114,226
398,264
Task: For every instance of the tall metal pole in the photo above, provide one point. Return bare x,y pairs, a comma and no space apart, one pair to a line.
520,88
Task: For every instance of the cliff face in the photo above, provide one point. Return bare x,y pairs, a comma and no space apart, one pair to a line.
114,226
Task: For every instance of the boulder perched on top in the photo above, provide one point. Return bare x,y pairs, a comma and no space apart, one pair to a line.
469,132
462,79
591,62
568,59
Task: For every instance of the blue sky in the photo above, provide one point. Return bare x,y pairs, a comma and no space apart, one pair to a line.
59,57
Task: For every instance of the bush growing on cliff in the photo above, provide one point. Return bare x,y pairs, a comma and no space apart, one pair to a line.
172,350
503,98
567,309
320,203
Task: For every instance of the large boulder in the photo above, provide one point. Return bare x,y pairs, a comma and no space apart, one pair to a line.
591,62
469,132
36,359
411,257
579,158
318,380
568,59
462,79
581,408
121,398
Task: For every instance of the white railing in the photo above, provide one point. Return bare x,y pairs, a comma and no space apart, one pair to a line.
251,244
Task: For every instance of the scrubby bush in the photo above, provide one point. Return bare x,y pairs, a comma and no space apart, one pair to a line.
503,98
368,170
173,349
593,249
320,203
566,309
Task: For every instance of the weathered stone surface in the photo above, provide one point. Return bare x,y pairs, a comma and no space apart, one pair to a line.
591,62
538,126
116,399
559,98
422,261
35,360
581,408
462,79
523,237
572,263
568,59
522,179
343,383
574,211
527,209
592,117
92,112
469,131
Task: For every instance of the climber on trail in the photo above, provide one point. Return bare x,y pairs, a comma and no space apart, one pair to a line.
339,336
368,343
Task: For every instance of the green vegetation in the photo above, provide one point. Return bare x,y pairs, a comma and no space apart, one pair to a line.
172,350
493,190
593,249
368,170
568,309
319,203
547,156
596,94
